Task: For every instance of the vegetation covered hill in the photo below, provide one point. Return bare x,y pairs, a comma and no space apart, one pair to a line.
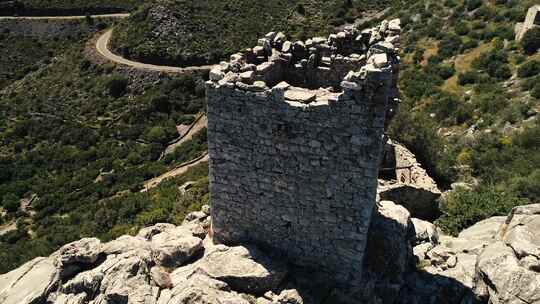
23,54
471,104
77,140
60,7
182,32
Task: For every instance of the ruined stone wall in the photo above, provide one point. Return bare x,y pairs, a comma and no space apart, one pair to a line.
293,167
532,20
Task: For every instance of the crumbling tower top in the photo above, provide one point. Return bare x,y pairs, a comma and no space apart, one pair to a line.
295,137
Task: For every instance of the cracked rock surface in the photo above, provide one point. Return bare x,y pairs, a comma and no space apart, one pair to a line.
145,269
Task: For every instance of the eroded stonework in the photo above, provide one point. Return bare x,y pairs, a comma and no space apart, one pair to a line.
295,133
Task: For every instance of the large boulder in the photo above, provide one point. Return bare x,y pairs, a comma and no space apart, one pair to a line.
30,283
484,230
73,257
446,268
419,200
201,289
244,269
126,270
175,247
425,232
508,270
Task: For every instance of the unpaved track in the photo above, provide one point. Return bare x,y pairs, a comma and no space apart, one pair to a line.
63,17
102,46
198,125
154,182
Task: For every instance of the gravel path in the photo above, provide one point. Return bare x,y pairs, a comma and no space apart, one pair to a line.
102,46
154,182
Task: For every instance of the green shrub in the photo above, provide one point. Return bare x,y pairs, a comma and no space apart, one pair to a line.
531,41
116,86
529,83
536,91
449,45
527,186
469,44
445,71
462,208
462,28
469,77
10,202
494,63
531,68
471,5
444,105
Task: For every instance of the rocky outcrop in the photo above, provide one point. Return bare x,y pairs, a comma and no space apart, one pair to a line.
162,264
508,269
496,261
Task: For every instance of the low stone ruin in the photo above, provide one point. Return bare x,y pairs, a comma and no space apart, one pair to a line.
532,20
403,180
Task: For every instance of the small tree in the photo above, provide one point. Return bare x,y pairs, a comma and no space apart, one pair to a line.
531,41
116,86
10,202
528,69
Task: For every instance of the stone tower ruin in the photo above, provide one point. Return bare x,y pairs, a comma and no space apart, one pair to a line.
295,132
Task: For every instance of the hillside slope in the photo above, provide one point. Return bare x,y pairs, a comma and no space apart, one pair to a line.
77,141
65,8
200,32
471,104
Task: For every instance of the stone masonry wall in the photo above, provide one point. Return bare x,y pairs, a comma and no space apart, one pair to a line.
293,166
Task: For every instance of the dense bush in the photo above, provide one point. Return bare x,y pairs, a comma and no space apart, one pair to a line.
116,85
22,54
473,4
462,28
212,30
531,40
449,45
494,63
535,92
462,208
10,202
469,77
528,69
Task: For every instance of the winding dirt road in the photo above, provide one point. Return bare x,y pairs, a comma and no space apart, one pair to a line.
183,168
102,46
198,125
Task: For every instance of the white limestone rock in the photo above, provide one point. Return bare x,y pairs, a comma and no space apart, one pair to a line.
425,231
175,247
508,270
216,75
30,283
201,289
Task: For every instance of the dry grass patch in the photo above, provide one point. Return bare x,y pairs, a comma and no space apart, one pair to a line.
462,64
